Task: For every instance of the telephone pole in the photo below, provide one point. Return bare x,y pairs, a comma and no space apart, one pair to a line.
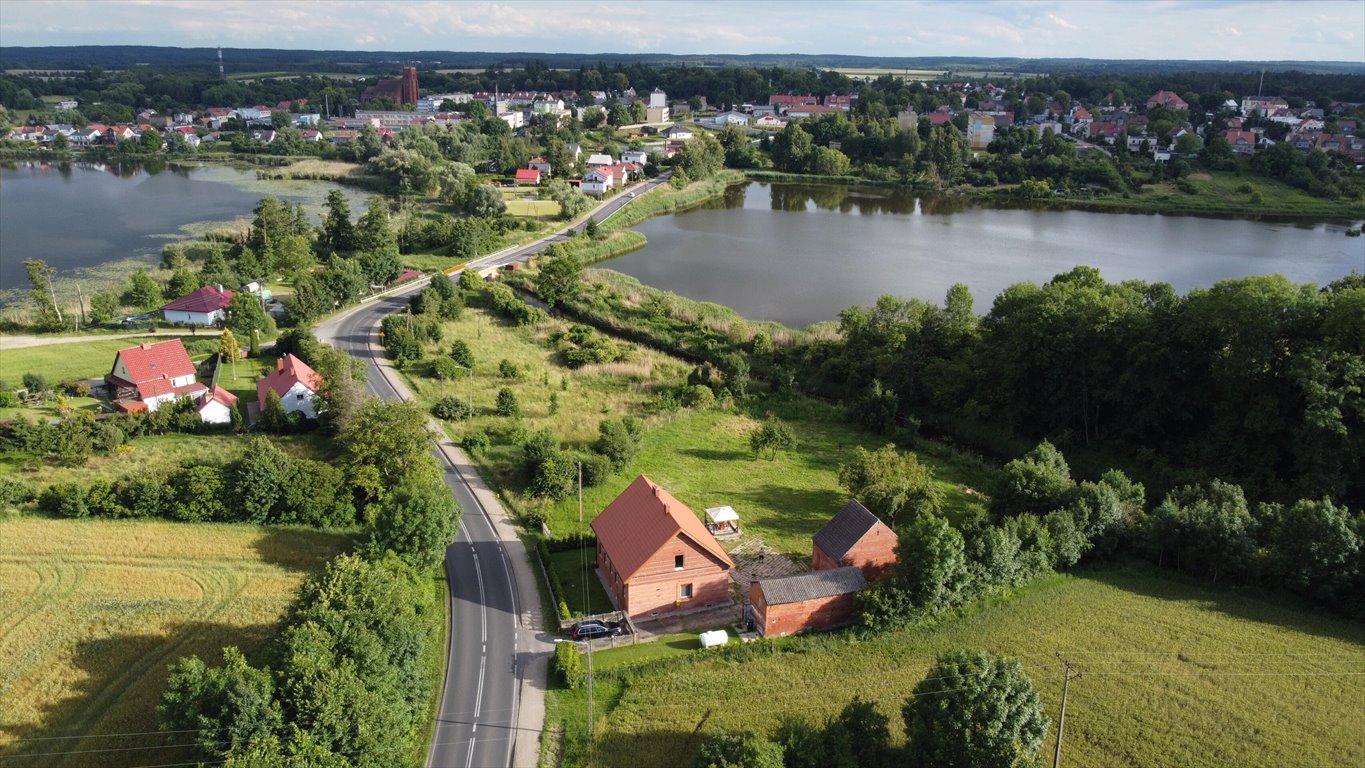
1068,672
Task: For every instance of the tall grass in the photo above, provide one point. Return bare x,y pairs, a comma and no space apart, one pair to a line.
93,611
1176,674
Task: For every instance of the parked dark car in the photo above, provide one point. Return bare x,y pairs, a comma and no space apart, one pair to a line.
589,630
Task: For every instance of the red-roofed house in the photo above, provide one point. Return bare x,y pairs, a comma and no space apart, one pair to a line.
1167,99
215,406
206,306
294,382
146,376
940,117
1242,142
655,555
528,176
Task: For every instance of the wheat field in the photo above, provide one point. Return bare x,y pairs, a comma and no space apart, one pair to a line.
93,611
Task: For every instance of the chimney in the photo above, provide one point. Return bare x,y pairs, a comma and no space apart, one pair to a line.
220,287
656,491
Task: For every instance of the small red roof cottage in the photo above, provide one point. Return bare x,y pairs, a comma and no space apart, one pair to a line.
294,382
528,176
655,555
855,537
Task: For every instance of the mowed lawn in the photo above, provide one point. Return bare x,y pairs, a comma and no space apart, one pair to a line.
1176,675
64,362
92,612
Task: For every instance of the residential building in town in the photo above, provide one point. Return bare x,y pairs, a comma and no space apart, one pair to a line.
148,376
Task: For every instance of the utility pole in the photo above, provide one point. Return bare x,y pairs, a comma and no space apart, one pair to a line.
1067,673
580,491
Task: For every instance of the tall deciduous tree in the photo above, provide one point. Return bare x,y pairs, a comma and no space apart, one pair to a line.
560,278
974,711
44,295
416,521
893,485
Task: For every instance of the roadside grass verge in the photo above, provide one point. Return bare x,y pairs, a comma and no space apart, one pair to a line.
1176,674
93,611
569,567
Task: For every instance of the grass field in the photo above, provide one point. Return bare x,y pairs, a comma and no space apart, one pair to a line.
702,457
1221,193
1176,675
92,612
64,362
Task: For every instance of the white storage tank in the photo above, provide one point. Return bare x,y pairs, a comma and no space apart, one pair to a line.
714,638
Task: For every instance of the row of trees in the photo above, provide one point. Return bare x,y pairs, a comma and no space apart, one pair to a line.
1251,380
971,709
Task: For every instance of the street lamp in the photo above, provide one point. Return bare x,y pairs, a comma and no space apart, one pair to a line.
470,393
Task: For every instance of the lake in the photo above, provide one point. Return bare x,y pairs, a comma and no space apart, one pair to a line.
799,254
77,215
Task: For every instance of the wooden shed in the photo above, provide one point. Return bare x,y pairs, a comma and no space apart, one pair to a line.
855,537
813,601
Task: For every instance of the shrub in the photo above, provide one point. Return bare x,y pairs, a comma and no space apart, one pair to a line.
507,404
65,499
462,354
476,442
569,666
452,409
508,369
14,491
596,469
34,382
445,369
698,396
8,399
618,440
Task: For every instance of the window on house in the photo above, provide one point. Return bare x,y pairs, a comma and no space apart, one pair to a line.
298,396
684,591
677,562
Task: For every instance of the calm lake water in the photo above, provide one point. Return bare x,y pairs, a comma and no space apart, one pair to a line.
80,215
799,253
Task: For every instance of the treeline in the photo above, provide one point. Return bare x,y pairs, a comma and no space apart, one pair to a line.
1042,520
1255,380
350,680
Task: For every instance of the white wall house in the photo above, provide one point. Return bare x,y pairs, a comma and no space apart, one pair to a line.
597,182
295,383
206,306
633,156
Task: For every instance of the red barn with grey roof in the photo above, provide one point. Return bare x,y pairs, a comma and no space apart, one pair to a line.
855,537
655,555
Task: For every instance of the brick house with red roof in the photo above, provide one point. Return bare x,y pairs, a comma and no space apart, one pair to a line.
206,306
296,384
655,556
147,376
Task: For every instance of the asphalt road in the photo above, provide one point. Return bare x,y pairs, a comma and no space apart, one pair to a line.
477,721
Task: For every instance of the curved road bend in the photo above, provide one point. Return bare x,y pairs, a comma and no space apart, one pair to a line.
494,600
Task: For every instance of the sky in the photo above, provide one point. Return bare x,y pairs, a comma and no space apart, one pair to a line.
1111,29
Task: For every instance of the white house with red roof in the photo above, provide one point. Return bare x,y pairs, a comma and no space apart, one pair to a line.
215,406
528,177
597,181
295,383
146,376
206,306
